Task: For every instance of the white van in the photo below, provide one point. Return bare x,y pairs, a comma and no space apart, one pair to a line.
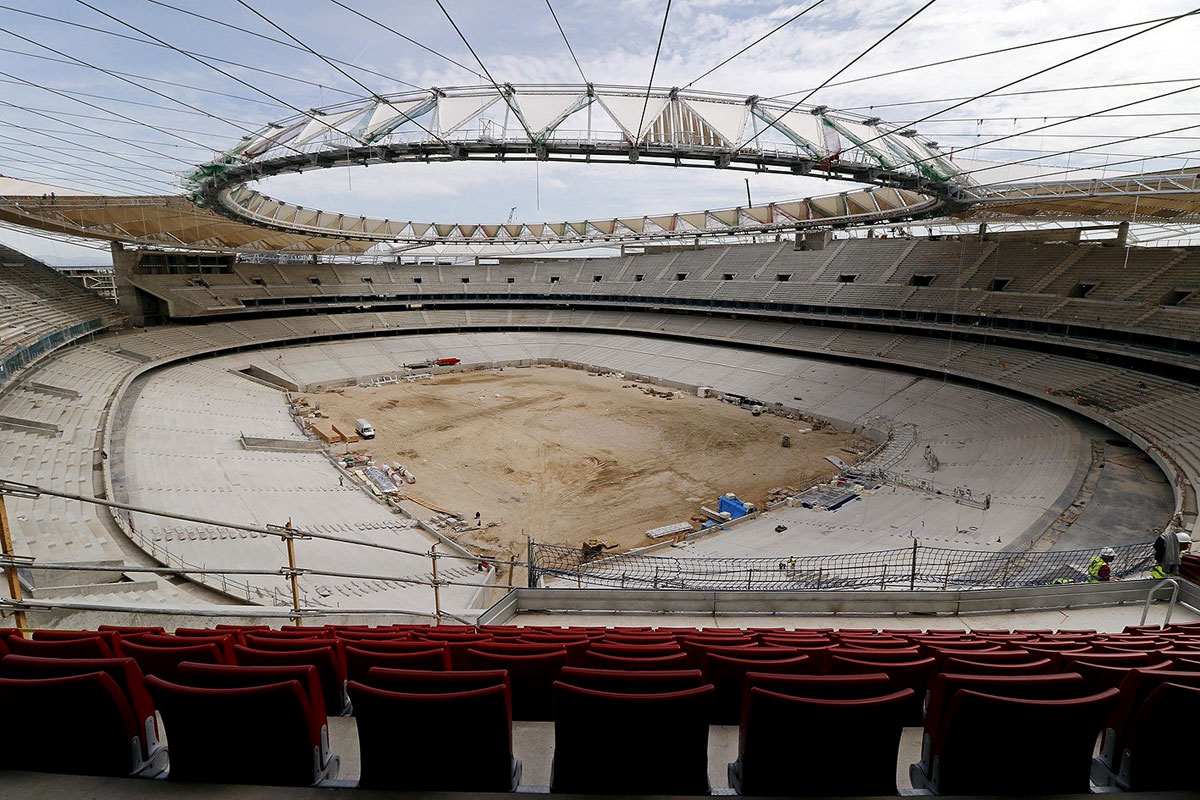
364,429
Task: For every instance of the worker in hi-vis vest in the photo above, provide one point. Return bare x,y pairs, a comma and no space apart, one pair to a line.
1169,548
1100,567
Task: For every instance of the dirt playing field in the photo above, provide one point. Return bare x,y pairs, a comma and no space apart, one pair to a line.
563,456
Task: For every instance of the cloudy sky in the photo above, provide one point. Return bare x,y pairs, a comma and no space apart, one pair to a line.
99,97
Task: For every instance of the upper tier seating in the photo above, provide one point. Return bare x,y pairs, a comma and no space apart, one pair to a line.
1080,284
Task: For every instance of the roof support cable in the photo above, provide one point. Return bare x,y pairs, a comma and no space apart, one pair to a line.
830,79
637,135
567,42
328,61
310,114
774,30
503,94
408,39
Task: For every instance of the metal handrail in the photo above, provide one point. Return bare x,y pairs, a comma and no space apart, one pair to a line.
1170,605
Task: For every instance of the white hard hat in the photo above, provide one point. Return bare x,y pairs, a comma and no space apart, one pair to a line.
1108,554
1183,538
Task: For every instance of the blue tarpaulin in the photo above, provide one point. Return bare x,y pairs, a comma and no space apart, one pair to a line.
735,507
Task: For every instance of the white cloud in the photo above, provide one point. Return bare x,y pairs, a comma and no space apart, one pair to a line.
615,41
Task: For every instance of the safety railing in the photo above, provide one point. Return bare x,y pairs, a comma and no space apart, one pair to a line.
914,568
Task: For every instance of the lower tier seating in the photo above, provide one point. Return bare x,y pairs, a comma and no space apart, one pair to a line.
819,711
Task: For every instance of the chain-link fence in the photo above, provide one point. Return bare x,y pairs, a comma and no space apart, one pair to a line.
915,567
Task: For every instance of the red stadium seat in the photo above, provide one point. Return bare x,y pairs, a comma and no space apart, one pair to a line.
80,724
223,642
92,647
819,687
227,676
675,661
530,677
633,681
330,669
966,666
164,661
1150,760
635,650
728,678
1003,745
415,681
264,734
1137,686
914,675
124,672
359,662
610,743
458,742
774,750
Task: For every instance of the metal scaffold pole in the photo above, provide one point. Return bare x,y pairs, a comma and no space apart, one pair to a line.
10,571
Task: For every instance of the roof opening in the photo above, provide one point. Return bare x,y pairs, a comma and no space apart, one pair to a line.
921,280
1175,297
1081,290
554,279
639,277
847,278
998,284
597,278
783,277
416,278
465,279
728,276
315,281
681,276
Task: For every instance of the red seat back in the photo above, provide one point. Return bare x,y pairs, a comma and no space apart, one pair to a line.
359,662
674,661
330,669
124,672
632,681
619,726
236,676
89,647
249,735
1042,746
415,681
728,678
1151,761
770,742
81,724
415,756
164,661
531,678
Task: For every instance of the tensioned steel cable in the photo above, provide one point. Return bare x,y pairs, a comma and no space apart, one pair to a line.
109,120
216,59
637,135
983,54
567,42
1093,167
310,114
70,171
176,84
830,79
507,100
340,71
1027,92
757,41
1056,124
41,133
408,39
297,46
1044,70
1085,149
89,104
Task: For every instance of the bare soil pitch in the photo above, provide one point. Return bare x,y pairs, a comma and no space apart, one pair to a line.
562,456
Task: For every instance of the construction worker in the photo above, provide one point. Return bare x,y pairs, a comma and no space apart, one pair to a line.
1169,548
1100,567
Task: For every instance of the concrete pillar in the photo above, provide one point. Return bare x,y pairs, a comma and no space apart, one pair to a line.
983,231
124,265
1122,234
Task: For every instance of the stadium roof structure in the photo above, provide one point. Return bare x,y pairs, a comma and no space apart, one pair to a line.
904,175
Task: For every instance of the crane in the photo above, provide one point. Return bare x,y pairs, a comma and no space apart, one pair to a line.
511,212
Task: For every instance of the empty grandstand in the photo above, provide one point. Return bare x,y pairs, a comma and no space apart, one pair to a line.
256,303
